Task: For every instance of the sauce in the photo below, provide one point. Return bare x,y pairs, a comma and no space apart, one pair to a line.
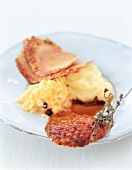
87,108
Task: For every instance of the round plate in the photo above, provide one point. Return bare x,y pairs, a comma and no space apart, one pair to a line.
113,59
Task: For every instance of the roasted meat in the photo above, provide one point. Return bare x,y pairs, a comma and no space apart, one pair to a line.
45,57
72,69
41,58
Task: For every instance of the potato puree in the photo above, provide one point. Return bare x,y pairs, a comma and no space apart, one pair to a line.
59,93
53,92
87,84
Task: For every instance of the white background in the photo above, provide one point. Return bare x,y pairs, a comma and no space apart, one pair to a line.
20,19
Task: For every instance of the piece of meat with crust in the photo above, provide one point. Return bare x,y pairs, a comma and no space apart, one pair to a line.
72,69
73,130
45,57
55,63
26,70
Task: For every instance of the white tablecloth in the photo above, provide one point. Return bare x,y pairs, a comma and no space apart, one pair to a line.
21,19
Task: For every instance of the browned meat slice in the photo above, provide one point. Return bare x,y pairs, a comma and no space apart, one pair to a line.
41,58
45,57
72,69
73,130
52,62
26,70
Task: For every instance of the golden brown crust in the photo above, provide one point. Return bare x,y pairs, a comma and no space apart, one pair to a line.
35,42
73,130
26,70
101,131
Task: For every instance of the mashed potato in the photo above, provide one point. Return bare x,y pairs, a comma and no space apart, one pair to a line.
87,84
59,93
53,92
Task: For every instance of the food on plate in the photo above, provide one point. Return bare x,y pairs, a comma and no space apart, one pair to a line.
64,93
71,93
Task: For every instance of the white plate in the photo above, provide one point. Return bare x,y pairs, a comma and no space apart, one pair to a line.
112,58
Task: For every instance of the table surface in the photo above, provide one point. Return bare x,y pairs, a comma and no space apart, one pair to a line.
19,19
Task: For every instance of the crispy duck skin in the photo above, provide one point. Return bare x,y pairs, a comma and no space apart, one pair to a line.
101,131
74,130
